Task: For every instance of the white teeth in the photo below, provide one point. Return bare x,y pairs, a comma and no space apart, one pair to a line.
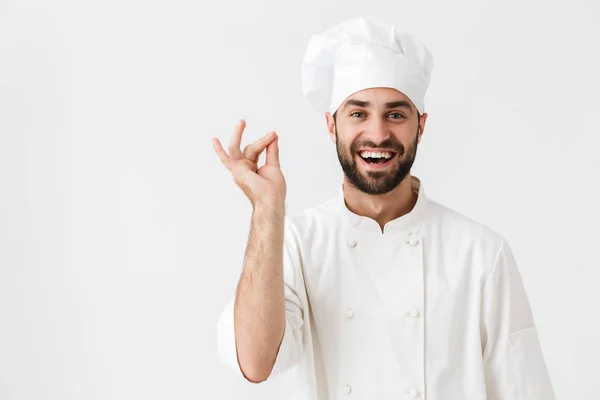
375,154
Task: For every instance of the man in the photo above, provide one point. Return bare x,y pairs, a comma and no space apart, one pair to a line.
380,292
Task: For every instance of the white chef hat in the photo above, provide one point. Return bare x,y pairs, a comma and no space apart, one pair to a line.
364,53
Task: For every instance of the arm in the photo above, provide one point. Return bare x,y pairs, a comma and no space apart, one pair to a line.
259,332
290,346
259,310
514,364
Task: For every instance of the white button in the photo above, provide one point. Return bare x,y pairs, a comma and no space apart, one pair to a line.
413,393
347,389
349,313
351,242
414,313
413,242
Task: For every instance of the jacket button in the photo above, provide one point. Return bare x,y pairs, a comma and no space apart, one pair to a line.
351,242
349,313
347,389
413,393
414,313
413,242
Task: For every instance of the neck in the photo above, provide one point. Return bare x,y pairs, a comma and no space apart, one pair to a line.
381,208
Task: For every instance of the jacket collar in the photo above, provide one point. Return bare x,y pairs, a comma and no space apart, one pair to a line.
407,222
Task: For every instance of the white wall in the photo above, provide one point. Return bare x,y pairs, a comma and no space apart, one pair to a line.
122,235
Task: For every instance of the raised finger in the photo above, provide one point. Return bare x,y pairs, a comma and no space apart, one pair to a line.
236,139
223,156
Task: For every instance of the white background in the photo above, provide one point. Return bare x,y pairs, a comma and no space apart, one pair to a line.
122,235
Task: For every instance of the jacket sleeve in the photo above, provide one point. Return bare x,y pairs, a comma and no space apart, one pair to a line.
514,365
290,349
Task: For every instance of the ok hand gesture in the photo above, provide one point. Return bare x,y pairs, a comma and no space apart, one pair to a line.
264,186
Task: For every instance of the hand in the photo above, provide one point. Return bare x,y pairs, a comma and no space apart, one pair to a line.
264,185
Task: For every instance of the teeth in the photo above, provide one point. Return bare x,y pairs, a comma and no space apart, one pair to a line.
375,154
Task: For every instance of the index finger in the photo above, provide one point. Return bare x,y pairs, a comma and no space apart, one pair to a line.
253,151
236,138
223,156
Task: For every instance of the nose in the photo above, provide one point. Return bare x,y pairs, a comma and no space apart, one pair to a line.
378,130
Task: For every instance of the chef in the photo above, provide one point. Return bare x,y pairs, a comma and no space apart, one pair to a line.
378,292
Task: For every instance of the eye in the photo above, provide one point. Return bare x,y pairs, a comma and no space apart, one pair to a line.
397,115
357,112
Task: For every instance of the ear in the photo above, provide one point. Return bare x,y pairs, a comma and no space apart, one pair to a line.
422,127
330,126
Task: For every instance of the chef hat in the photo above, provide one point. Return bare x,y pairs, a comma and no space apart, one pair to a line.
363,53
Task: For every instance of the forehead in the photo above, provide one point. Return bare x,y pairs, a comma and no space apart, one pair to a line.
378,95
380,98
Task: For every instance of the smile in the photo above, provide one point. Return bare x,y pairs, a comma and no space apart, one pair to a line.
376,157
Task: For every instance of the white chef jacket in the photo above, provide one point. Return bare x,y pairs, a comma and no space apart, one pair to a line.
433,308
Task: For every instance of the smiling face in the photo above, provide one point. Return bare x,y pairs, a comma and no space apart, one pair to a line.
376,132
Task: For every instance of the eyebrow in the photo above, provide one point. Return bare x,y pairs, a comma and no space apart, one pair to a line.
388,105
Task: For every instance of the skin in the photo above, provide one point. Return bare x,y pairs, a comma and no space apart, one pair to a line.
383,195
259,307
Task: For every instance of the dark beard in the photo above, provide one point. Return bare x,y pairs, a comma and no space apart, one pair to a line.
377,182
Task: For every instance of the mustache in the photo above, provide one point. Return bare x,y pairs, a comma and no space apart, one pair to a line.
388,144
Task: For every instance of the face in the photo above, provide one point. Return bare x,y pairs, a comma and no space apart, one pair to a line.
376,132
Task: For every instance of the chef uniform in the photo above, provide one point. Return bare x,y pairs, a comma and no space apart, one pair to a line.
432,307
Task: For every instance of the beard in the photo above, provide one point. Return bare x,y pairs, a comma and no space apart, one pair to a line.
377,182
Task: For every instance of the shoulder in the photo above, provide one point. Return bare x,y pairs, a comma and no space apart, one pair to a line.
449,220
459,234
320,217
461,238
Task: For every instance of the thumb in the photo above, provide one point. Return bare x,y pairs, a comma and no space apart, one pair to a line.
273,153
